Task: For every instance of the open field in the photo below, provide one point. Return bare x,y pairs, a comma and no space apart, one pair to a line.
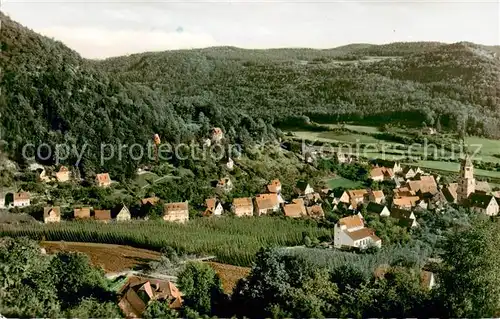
342,182
118,258
453,167
145,179
488,146
232,240
112,258
335,137
356,128
229,274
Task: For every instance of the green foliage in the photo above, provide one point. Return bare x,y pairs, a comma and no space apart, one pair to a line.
33,284
92,308
471,262
287,286
26,288
159,309
75,279
201,287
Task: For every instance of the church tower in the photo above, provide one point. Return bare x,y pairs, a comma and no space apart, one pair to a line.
466,181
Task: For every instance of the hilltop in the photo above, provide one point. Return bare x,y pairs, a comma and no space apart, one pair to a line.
53,95
453,84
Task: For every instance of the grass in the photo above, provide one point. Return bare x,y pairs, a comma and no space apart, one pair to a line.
453,167
356,128
488,146
343,182
232,240
145,179
334,137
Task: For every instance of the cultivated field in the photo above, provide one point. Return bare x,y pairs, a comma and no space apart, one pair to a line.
388,150
229,274
232,240
112,258
118,258
343,182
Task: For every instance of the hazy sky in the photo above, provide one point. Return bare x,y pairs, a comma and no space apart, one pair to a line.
99,29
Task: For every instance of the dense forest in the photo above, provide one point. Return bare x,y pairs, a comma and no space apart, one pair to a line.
52,95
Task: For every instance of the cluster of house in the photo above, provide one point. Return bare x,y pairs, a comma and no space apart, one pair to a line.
307,203
415,190
52,214
138,292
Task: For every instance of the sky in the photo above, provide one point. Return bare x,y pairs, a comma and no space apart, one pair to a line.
100,29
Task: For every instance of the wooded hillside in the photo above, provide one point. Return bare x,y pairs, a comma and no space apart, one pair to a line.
52,95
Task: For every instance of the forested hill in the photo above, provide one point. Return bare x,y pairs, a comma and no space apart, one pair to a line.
51,95
455,84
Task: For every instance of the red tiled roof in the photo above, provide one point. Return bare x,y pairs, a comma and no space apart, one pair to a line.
315,211
83,212
361,233
21,196
175,207
356,193
103,178
102,214
242,202
150,200
293,210
48,210
352,222
63,169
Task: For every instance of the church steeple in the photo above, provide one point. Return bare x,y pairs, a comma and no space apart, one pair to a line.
466,181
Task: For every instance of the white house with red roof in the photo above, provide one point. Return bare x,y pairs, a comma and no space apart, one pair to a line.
351,232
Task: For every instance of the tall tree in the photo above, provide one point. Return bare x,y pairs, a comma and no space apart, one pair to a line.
470,279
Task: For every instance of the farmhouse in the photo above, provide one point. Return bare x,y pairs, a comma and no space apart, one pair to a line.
380,174
274,186
295,210
485,204
150,201
176,212
351,232
217,134
63,174
43,177
403,192
376,196
408,173
21,199
405,202
393,165
52,214
378,209
315,211
123,214
225,184
103,180
230,164
242,206
266,203
406,218
102,215
138,292
303,188
214,207
81,213
356,196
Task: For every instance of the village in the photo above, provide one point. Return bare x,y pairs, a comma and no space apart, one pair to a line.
415,191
